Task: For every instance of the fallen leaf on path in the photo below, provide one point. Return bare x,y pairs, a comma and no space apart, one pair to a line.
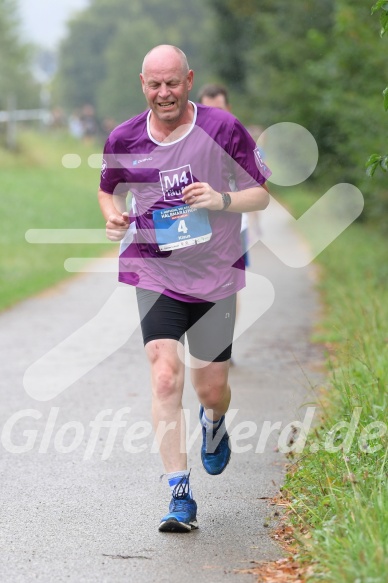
286,569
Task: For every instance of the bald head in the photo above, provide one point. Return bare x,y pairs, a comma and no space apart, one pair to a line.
161,55
166,81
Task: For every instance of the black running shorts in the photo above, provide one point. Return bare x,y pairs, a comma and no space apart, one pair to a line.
209,326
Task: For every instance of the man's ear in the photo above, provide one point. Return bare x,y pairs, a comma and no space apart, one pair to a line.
190,79
142,82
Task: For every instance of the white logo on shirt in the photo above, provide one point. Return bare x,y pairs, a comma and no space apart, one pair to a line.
136,162
104,166
264,170
174,181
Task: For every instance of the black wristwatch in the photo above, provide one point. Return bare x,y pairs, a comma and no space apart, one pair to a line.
226,200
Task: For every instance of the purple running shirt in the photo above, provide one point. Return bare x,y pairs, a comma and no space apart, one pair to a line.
169,247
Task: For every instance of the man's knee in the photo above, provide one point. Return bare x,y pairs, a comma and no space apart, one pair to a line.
166,383
166,368
211,393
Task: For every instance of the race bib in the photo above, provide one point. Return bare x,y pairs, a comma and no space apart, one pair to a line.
181,226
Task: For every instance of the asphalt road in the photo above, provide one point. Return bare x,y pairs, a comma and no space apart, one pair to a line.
81,503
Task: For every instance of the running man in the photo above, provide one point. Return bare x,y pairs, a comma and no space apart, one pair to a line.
214,95
181,248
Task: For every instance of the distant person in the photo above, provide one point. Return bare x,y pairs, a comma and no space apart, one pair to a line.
89,122
183,254
76,128
216,95
108,125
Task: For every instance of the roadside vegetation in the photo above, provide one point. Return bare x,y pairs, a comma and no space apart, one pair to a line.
38,192
337,491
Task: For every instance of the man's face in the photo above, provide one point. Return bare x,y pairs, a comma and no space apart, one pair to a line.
166,88
217,101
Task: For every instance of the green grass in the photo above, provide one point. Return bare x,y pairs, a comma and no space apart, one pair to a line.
342,496
37,192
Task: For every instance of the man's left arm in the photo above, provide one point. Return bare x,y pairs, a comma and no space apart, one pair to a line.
202,195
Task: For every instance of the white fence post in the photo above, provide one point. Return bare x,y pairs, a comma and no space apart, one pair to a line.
11,123
12,116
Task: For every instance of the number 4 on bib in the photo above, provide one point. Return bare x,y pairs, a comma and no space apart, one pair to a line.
182,227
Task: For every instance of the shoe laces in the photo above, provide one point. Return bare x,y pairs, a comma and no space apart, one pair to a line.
182,488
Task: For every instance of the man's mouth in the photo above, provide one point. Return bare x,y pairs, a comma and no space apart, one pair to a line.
166,104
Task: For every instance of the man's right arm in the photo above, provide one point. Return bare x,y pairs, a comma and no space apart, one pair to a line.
113,208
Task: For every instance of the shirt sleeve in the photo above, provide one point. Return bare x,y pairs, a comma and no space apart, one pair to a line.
248,167
112,172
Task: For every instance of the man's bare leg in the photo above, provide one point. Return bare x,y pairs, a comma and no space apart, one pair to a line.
213,390
212,387
167,377
167,373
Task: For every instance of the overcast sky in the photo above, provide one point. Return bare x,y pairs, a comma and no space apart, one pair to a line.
44,21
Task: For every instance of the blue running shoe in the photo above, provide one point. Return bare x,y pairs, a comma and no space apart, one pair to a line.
216,452
182,516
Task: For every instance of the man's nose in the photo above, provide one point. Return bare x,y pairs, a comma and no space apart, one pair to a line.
164,90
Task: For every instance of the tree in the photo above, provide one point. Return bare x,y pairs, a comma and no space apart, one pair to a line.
316,64
378,160
16,81
233,37
82,54
100,60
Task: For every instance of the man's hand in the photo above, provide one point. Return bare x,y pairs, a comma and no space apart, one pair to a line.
117,226
202,195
